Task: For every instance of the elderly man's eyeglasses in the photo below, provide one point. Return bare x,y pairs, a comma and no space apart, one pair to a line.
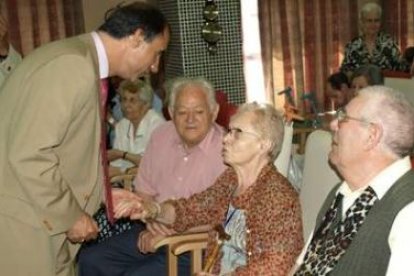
341,116
237,133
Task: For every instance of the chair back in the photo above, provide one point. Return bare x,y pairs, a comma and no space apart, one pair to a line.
318,178
283,159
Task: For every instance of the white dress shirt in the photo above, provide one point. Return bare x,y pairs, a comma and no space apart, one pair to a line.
8,64
127,140
401,237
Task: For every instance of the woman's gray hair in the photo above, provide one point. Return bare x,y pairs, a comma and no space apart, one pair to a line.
371,72
140,87
180,83
268,122
395,113
370,7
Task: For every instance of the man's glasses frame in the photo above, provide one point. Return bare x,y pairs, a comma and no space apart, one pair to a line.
342,116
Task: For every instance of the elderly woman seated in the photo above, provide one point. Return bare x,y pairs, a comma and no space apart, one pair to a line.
132,133
251,201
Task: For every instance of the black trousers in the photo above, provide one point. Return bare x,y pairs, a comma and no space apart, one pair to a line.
119,255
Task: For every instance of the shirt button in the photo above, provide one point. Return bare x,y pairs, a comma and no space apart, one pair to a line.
248,231
186,159
249,253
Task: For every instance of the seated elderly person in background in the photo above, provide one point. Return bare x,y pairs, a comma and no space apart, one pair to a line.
251,201
364,76
132,133
373,46
338,90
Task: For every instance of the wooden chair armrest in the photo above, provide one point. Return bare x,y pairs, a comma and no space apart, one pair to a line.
190,245
196,248
171,240
125,179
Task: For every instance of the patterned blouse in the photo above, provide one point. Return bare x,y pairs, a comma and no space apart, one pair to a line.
273,219
385,55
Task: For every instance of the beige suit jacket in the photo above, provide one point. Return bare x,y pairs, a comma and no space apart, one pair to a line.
50,170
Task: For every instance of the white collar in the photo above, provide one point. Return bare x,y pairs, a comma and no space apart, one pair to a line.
102,56
383,181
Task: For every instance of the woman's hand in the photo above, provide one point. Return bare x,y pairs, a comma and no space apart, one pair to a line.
147,240
114,154
157,228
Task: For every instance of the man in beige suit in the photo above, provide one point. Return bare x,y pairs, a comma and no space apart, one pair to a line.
50,170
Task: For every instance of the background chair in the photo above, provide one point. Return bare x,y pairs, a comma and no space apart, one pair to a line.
124,180
283,159
318,178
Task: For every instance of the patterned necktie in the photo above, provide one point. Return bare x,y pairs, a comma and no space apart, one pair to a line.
334,235
104,157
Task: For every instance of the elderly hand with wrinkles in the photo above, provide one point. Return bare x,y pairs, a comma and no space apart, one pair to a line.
128,204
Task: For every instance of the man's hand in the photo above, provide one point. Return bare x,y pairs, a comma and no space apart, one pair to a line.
127,204
147,240
4,36
84,229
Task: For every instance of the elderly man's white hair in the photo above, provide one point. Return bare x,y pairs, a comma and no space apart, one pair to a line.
392,110
180,83
370,7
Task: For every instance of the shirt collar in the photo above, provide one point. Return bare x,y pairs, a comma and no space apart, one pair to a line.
205,143
102,56
383,181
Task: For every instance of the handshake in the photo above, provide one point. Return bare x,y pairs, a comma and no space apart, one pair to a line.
130,205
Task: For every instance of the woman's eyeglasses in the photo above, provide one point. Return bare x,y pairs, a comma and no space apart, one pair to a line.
237,133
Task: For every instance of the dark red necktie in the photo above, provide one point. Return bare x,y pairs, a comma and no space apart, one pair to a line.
104,157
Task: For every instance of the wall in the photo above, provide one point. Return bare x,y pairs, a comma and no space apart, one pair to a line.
94,11
187,53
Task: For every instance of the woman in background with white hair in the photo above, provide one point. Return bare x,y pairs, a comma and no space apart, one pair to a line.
132,133
373,46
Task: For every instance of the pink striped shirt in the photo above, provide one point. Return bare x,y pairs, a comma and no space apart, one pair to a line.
169,171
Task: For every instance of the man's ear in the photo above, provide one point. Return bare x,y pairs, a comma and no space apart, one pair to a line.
375,135
137,38
171,112
215,112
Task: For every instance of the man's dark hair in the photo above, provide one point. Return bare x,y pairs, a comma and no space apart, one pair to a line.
123,21
337,79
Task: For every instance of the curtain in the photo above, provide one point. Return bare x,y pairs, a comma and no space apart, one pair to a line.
35,22
303,41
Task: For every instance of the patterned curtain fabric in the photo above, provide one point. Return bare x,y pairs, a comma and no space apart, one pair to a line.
36,22
303,41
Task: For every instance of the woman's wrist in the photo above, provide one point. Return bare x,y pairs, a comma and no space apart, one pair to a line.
153,210
124,154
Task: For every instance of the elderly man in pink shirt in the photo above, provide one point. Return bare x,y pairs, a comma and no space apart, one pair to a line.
182,158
